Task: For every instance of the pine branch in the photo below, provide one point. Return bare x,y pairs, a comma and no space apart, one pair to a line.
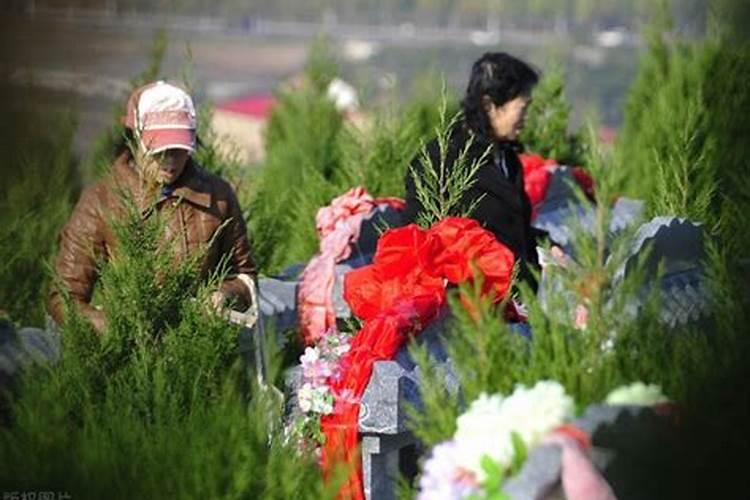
442,188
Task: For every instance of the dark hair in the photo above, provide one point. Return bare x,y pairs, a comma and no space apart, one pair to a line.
502,78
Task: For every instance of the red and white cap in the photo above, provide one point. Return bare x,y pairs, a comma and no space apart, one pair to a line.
162,115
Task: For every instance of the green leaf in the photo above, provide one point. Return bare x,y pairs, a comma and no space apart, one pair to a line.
520,452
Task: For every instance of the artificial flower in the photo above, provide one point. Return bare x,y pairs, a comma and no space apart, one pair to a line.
443,477
314,368
316,399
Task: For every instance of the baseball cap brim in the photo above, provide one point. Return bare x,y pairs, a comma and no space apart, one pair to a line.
158,140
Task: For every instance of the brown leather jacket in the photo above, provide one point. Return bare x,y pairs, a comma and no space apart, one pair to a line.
202,202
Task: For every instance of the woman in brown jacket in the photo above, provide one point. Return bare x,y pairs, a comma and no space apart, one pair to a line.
161,118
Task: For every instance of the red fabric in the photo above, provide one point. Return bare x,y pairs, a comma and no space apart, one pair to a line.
391,201
585,181
396,272
338,226
379,339
537,172
397,296
465,248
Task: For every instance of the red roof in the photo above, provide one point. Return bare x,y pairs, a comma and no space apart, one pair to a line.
258,106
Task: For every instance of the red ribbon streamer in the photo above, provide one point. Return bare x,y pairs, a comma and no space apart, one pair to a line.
397,296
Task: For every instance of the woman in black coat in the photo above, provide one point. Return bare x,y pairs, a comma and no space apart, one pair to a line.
494,109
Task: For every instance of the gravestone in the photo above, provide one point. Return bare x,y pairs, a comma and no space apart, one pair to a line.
675,244
25,347
676,247
562,211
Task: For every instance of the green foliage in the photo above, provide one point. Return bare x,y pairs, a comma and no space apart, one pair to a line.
312,156
546,130
321,67
680,141
301,161
441,187
378,156
615,347
731,18
726,95
492,486
673,155
652,73
38,179
159,404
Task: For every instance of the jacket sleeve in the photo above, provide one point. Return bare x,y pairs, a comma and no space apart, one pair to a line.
80,243
236,245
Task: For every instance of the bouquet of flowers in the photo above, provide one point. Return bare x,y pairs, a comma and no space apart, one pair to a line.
320,365
494,434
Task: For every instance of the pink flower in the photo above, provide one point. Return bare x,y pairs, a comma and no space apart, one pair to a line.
315,369
443,478
343,400
334,344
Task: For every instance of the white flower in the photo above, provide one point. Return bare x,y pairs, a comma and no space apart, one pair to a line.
487,427
341,349
304,397
317,399
481,430
310,356
443,478
536,411
637,393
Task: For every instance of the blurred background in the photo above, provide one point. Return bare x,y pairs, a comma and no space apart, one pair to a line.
80,55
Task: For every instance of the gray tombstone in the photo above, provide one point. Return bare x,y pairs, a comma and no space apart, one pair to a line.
21,349
677,246
278,303
563,219
563,211
381,218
